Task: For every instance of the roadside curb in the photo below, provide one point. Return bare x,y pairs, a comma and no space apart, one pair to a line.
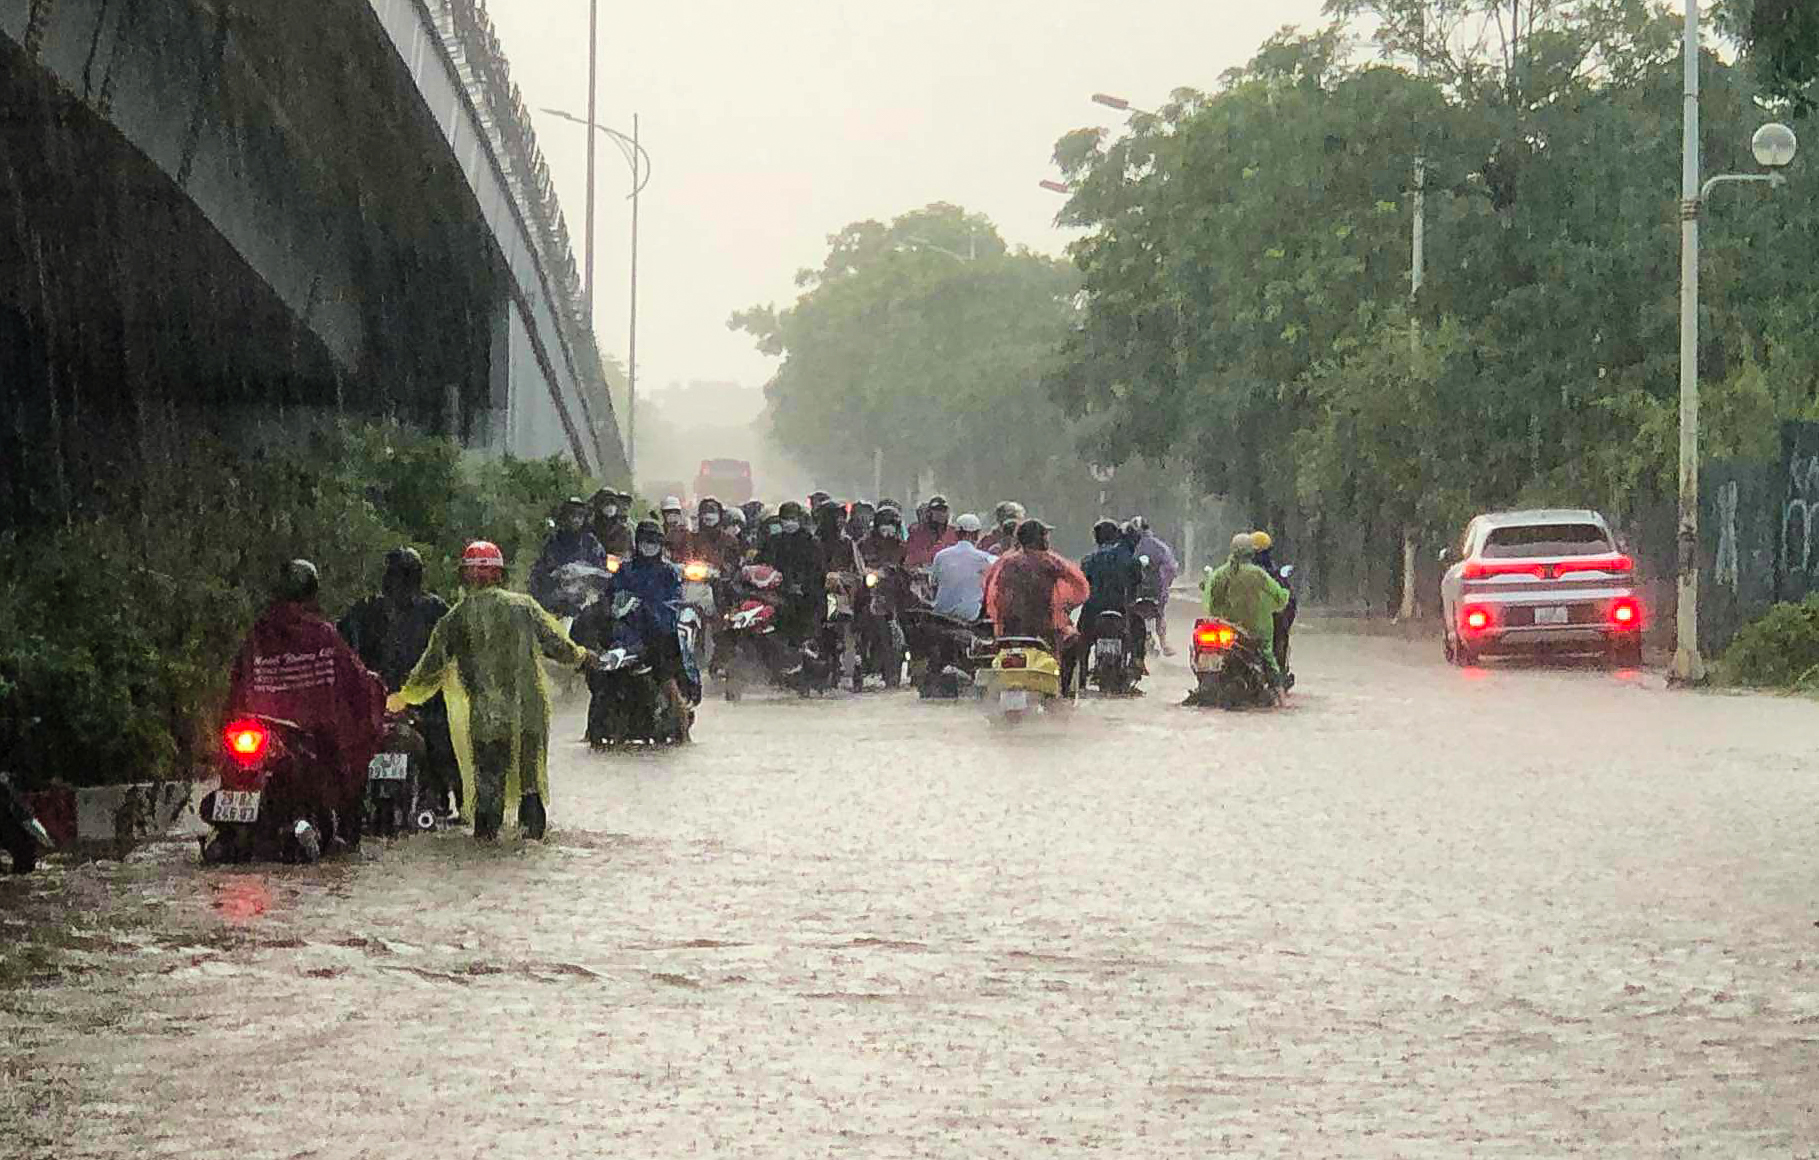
121,814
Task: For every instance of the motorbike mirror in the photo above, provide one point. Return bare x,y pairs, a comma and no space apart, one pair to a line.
1446,556
1144,560
1287,571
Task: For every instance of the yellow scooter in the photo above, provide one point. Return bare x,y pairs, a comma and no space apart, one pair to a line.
1024,678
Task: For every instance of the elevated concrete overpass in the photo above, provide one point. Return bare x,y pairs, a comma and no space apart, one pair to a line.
215,205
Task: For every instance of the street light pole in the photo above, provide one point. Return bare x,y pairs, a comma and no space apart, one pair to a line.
631,356
1688,667
593,71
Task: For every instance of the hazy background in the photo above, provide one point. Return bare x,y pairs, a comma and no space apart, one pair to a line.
770,127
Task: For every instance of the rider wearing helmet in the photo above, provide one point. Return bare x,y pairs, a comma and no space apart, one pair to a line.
712,542
1285,620
571,543
675,528
794,551
930,535
882,545
658,586
296,667
1002,535
390,630
1158,575
484,657
1245,595
1032,591
859,518
1116,578
611,526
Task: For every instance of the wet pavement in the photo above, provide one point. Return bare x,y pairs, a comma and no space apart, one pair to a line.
1424,912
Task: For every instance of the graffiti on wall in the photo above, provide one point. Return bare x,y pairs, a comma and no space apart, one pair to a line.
1798,515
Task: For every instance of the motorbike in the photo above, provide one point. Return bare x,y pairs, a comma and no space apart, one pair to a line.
946,652
882,636
278,800
749,637
1229,669
1024,678
626,703
22,835
397,796
1114,664
701,592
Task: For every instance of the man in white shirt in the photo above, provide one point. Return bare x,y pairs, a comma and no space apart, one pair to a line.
959,573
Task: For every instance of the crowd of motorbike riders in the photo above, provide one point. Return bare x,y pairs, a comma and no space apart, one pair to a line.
809,596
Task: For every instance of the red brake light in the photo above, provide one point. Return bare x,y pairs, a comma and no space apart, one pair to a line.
1476,619
1480,570
1626,613
1213,634
247,740
1614,564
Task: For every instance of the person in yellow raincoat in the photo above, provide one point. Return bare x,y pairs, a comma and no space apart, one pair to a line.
483,658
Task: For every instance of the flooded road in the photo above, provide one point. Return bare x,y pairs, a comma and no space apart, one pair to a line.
1424,912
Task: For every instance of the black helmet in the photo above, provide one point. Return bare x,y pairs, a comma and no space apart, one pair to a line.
647,530
817,498
1032,533
1140,523
936,501
789,510
573,503
1105,532
403,570
753,508
298,581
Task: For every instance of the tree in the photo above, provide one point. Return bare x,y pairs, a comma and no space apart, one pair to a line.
925,340
1782,39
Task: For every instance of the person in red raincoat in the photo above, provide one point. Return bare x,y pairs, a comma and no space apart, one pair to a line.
294,666
1031,591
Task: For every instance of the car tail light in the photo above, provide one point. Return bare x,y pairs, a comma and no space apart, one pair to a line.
1619,565
1482,570
1013,660
247,741
1475,619
1626,613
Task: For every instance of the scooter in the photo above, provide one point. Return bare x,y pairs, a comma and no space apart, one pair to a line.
700,591
626,705
750,633
397,801
1024,678
276,801
22,835
946,653
1229,669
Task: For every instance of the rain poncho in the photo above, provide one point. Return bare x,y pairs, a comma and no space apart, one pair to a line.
1030,593
1245,595
483,658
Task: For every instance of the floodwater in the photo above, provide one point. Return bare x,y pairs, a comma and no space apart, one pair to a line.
1509,912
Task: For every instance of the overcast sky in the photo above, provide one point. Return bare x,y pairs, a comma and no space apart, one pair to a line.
772,126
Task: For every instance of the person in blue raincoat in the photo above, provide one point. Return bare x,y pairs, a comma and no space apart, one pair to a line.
658,586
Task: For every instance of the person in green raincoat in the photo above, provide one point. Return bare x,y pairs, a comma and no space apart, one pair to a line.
1242,593
483,657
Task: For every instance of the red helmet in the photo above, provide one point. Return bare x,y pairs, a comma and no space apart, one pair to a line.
483,561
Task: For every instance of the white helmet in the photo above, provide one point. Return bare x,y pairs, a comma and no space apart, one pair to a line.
671,504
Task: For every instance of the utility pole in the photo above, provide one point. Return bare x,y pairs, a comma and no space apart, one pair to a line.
1411,535
1688,666
631,356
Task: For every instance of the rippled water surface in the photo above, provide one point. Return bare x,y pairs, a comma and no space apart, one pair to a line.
1517,912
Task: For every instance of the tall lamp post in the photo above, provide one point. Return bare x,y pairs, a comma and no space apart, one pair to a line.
1774,146
640,161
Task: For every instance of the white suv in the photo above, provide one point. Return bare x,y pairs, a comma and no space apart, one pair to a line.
1540,581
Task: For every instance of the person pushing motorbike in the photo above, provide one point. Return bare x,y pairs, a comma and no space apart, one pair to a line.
483,657
390,631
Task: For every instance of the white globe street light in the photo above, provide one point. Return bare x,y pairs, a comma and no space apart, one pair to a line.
1774,145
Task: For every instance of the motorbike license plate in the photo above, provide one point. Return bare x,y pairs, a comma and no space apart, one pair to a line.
389,767
236,805
1554,615
1209,662
1108,647
1012,700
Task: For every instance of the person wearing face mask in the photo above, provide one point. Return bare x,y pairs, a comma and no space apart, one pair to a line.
882,546
611,528
658,586
930,535
675,528
859,519
793,551
571,543
711,542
